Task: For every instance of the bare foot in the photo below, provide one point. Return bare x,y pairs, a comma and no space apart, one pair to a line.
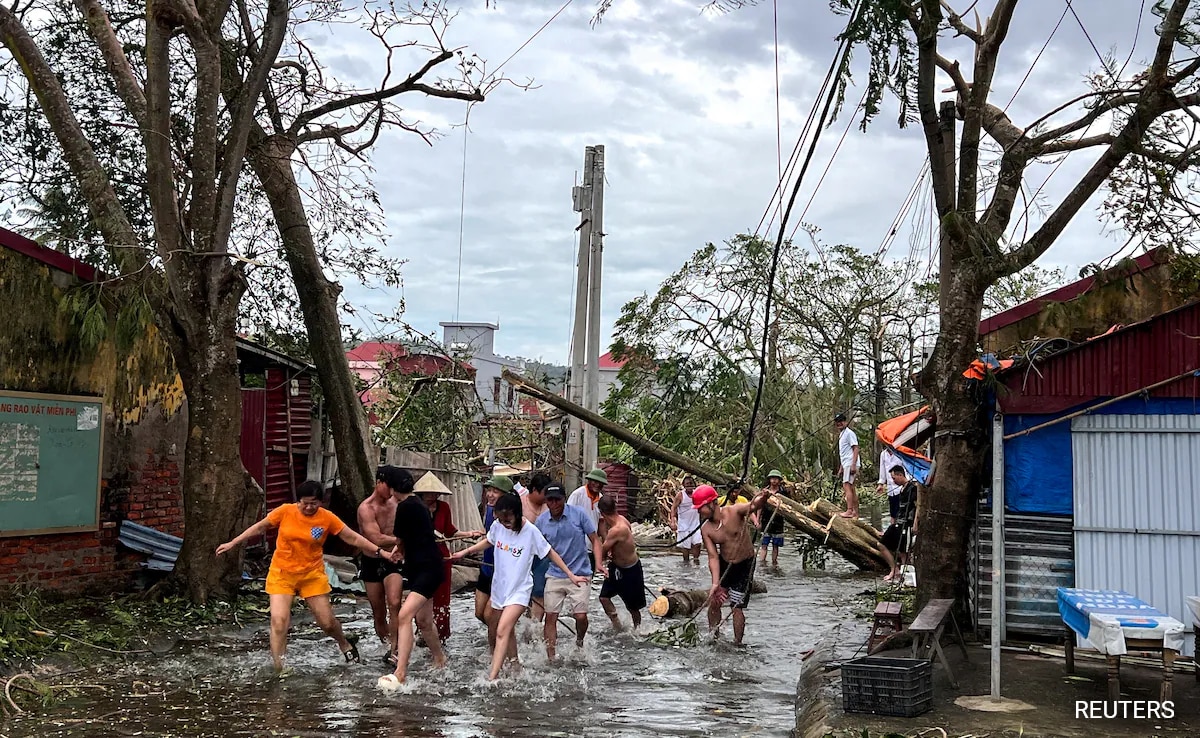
848,514
890,578
440,663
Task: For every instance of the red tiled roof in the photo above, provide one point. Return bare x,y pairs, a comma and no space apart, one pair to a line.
608,362
376,350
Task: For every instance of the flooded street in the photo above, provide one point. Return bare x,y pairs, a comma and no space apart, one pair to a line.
615,686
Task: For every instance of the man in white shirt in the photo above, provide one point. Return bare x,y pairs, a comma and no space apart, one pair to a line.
848,464
887,460
587,497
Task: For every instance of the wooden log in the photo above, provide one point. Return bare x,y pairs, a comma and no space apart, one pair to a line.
680,603
847,540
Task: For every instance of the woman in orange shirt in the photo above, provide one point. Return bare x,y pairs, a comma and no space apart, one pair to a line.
298,566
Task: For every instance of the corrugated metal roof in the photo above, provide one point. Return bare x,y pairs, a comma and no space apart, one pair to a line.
162,547
1112,365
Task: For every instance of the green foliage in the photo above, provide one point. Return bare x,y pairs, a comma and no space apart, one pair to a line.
34,626
844,334
883,28
422,409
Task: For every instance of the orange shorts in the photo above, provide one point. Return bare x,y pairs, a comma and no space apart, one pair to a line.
305,584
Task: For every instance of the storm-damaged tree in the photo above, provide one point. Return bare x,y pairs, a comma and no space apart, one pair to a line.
184,82
979,241
312,125
1139,127
191,153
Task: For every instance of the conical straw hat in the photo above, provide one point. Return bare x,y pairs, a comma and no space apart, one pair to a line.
430,483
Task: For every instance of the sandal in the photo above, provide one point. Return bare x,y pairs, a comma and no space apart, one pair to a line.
351,653
389,659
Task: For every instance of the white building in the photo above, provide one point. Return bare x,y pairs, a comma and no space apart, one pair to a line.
477,343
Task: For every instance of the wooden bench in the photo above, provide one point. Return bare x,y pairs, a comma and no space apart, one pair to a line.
887,622
926,630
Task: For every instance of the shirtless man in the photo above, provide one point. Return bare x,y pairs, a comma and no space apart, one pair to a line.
625,578
381,577
727,538
533,504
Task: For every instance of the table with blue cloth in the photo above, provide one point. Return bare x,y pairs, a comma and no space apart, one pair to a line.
1114,623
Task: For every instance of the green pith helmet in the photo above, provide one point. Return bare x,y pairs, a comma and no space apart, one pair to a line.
597,475
504,484
775,473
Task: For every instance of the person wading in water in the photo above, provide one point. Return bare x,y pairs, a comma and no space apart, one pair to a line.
298,565
625,577
381,577
727,538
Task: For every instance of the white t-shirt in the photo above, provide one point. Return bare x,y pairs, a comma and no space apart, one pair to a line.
512,582
579,498
887,460
846,443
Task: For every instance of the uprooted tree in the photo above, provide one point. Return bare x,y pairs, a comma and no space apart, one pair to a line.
150,114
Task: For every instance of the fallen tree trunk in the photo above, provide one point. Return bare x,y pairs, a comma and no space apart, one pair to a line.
854,541
679,603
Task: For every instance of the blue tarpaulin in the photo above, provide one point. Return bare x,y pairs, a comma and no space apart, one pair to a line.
1038,466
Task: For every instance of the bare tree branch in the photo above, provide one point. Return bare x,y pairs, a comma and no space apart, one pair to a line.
101,31
956,22
242,109
412,83
987,53
110,217
1155,99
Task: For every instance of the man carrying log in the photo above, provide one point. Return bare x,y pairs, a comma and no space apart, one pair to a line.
727,538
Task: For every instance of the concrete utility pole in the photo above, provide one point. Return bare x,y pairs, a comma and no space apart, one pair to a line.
591,393
582,197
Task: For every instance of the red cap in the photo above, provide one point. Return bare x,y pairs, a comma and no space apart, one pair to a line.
703,495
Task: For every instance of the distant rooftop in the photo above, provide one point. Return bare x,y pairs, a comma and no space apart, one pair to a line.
465,324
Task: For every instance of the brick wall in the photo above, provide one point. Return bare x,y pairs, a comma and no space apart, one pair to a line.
142,483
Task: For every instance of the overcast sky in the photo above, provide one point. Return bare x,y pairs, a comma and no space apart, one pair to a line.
684,103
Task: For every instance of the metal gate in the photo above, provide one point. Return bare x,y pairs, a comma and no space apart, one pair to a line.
1037,561
1137,507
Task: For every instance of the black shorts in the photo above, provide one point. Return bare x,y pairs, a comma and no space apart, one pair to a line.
894,540
894,506
423,577
375,570
737,579
628,583
484,583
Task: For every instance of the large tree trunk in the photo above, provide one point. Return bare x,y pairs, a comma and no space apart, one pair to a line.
271,159
945,519
219,497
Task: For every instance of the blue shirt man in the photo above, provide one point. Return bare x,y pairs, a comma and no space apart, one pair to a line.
571,532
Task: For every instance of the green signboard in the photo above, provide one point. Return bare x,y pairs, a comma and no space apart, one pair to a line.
50,452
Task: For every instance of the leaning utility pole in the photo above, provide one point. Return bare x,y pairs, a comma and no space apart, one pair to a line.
591,394
582,197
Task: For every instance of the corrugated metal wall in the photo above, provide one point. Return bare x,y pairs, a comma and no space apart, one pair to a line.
1112,365
288,434
253,448
1038,559
1137,507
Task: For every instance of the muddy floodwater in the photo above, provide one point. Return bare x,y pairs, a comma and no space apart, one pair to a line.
615,686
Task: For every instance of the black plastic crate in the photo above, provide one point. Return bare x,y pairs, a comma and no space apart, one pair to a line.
887,686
